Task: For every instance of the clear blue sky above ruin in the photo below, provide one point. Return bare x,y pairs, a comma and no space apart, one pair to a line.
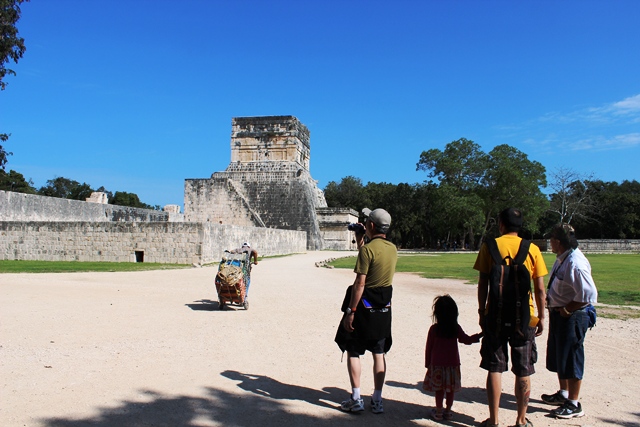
138,95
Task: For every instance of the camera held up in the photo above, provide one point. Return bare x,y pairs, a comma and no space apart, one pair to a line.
358,228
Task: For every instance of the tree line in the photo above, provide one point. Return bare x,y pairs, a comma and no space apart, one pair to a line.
66,188
457,206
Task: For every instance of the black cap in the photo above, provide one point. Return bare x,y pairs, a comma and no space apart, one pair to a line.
511,217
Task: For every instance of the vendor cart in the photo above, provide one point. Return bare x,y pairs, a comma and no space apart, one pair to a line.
232,280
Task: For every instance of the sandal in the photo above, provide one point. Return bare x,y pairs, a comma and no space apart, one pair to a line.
436,415
447,414
486,423
526,424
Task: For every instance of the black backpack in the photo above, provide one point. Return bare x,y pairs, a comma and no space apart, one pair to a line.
509,291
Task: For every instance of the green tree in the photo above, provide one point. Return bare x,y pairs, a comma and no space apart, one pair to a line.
512,180
65,188
11,49
349,193
460,170
122,198
615,211
3,153
462,164
475,186
14,181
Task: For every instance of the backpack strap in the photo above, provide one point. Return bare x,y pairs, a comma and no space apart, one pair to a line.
518,262
522,252
492,245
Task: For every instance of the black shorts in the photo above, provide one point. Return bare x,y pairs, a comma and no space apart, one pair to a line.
495,353
356,348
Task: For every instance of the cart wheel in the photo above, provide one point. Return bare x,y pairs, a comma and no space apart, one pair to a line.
246,305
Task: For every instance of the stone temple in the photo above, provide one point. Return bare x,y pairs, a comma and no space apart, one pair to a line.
265,196
267,182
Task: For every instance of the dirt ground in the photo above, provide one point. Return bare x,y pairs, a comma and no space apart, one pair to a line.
152,349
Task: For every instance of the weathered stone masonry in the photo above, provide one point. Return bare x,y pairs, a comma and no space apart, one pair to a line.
267,183
266,196
168,242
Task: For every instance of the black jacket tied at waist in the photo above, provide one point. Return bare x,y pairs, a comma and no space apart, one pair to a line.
372,319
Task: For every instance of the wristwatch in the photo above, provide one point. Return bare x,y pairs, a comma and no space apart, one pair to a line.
349,310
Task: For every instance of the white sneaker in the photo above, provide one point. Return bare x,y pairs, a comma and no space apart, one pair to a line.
376,406
352,405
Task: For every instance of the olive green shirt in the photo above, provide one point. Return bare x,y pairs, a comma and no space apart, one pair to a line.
377,260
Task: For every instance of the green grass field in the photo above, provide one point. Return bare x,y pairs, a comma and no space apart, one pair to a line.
617,276
75,266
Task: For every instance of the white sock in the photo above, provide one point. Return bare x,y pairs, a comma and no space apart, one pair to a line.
575,402
355,393
565,393
377,395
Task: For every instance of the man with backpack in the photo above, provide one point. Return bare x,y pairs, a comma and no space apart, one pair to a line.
507,265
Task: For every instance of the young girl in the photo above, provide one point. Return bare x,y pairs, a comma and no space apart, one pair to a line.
442,359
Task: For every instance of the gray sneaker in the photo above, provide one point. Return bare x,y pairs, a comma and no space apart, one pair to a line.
568,410
554,399
376,406
352,405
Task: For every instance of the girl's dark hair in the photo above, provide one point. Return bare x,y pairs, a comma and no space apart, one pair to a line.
445,316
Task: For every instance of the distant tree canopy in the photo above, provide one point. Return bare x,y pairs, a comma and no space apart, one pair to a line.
614,211
65,188
14,181
122,198
477,185
11,49
470,187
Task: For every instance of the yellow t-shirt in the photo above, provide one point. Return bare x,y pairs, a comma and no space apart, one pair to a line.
508,245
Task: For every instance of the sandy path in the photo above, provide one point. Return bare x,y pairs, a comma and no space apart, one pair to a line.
151,349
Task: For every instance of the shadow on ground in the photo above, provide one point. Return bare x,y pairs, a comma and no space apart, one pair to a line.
265,402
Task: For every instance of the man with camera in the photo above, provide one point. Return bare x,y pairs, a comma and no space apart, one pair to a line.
366,324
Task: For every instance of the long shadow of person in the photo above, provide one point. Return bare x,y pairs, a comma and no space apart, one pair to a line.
396,412
274,389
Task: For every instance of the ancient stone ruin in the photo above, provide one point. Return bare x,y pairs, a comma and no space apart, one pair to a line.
266,195
267,182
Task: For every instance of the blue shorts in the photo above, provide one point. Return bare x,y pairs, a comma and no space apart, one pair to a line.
495,353
565,346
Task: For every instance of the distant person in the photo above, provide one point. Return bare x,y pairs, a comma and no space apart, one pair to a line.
366,323
571,290
494,350
246,248
442,358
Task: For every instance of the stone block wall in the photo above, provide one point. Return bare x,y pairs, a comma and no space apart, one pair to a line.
608,245
272,195
269,138
333,228
31,207
162,242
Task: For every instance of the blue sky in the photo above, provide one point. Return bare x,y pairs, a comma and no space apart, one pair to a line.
138,95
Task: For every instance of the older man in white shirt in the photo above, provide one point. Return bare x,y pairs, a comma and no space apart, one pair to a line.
571,291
